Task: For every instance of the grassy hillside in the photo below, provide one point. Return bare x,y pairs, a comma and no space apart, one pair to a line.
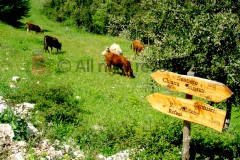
112,102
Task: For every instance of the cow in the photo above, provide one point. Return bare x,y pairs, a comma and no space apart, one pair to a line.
33,27
51,42
120,62
137,47
114,48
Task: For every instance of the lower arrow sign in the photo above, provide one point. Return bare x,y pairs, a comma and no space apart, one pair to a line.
190,110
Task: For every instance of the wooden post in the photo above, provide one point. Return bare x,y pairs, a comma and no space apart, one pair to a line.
186,131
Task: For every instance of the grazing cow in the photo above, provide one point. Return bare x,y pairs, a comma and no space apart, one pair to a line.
119,62
114,48
33,27
137,47
51,42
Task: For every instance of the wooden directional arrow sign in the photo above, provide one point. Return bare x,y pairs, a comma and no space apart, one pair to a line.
190,110
204,88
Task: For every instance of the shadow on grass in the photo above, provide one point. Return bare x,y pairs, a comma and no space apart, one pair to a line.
57,52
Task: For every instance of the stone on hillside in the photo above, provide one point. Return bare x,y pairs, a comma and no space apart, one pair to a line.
100,157
6,133
16,78
2,107
17,156
66,147
28,105
23,108
31,129
11,85
123,155
98,128
79,155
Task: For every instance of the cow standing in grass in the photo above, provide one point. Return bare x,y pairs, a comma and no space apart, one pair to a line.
119,62
33,27
51,42
137,47
114,48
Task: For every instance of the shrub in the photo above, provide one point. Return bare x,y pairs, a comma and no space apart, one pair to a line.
12,11
18,124
55,103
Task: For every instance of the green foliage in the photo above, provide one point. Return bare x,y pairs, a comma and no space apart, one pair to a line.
216,146
4,88
154,141
205,37
12,11
18,124
55,103
96,16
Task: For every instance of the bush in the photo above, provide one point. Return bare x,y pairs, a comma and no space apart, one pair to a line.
14,10
156,140
55,103
18,124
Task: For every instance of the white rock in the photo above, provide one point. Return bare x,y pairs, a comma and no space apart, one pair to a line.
17,156
6,132
98,128
12,86
123,155
31,129
45,144
2,107
79,154
16,78
21,144
51,151
28,105
66,147
58,154
100,157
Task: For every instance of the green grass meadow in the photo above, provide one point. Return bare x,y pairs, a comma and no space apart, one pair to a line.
113,102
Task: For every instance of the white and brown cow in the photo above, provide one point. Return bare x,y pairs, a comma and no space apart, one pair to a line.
114,48
33,27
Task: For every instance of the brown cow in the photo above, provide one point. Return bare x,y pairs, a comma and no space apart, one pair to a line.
51,42
137,47
119,62
33,27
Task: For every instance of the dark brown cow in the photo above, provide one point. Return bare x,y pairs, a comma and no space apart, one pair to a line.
33,27
119,62
51,42
137,47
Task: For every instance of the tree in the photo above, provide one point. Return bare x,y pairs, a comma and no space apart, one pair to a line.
13,10
204,36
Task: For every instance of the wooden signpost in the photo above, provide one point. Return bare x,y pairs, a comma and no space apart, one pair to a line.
204,88
187,109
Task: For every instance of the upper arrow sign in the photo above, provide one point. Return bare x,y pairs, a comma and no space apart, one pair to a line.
204,88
